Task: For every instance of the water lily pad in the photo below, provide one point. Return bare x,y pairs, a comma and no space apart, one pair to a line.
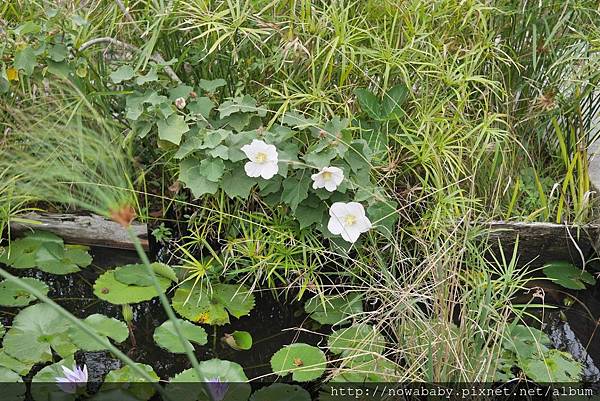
45,387
568,275
200,304
35,331
47,252
138,275
2,330
230,375
109,289
13,388
13,295
357,341
281,392
104,326
556,366
19,367
303,361
129,382
334,309
361,370
238,340
166,336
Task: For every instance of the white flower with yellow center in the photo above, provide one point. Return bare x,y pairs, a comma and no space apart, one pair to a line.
328,178
263,159
348,220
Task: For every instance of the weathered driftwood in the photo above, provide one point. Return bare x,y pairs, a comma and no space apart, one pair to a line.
539,243
91,230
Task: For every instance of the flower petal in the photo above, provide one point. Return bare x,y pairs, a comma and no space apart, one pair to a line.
335,226
268,170
356,209
351,233
253,169
338,209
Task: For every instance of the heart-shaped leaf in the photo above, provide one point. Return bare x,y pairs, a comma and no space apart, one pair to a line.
166,336
104,326
109,289
568,275
13,295
238,340
303,361
126,382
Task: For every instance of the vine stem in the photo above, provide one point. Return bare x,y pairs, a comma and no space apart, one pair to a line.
84,327
187,346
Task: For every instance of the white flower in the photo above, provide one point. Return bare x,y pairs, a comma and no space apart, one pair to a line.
328,178
263,159
73,379
349,220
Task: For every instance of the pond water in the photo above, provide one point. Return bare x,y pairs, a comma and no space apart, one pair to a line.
273,323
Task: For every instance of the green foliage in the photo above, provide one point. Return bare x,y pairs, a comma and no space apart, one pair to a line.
212,305
125,382
135,286
303,361
359,341
281,392
47,252
335,310
166,336
102,325
13,295
238,340
568,275
45,388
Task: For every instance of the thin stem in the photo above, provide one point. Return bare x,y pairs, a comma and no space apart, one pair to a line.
187,346
81,325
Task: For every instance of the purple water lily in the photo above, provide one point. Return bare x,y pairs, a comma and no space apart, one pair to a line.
217,388
73,379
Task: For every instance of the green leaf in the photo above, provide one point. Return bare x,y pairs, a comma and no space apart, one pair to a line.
172,129
295,190
166,336
525,341
151,76
281,392
244,104
74,258
192,176
187,386
23,253
212,169
103,326
320,159
123,73
384,216
35,331
303,361
554,367
237,121
220,151
211,86
15,391
368,370
368,103
358,155
237,184
358,339
307,214
109,289
214,138
238,340
19,367
130,382
180,91
25,60
393,101
568,275
199,304
13,295
297,120
58,52
334,309
201,106
134,275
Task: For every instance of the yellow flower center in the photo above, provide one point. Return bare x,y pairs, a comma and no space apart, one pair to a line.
326,175
350,219
261,157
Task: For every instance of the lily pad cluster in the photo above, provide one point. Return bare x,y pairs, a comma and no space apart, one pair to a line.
47,252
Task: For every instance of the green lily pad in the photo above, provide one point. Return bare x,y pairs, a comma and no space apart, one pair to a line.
555,367
109,289
303,361
45,388
525,341
202,305
238,340
36,330
104,326
166,336
360,341
373,370
2,330
13,295
138,275
129,382
19,367
47,252
334,309
568,275
229,374
281,392
13,388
